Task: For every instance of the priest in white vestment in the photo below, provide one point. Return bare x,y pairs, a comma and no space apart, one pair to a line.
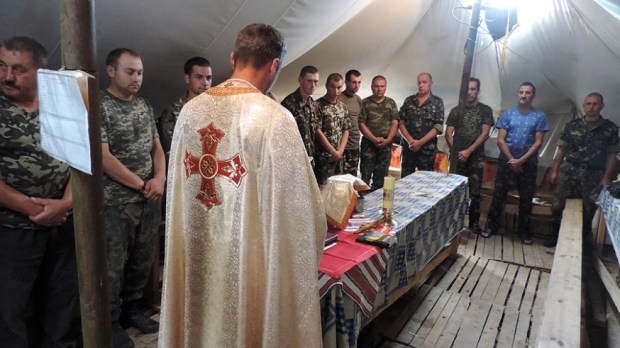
245,224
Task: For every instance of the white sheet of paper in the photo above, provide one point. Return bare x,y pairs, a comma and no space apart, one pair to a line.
64,118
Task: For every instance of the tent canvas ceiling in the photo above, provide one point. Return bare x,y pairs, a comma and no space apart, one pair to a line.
567,52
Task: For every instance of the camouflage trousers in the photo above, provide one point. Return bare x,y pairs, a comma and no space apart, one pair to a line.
472,169
323,168
526,185
413,160
571,179
351,161
374,163
131,232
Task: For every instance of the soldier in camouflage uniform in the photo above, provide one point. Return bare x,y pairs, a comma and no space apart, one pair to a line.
521,133
332,130
198,76
304,108
134,168
472,127
586,157
421,120
378,123
353,102
37,255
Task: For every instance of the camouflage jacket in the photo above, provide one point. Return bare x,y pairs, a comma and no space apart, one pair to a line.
23,164
166,122
333,120
420,119
589,143
305,114
378,117
128,127
471,123
354,105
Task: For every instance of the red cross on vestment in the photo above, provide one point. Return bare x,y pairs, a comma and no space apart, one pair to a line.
208,166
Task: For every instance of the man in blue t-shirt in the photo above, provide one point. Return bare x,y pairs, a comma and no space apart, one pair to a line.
521,133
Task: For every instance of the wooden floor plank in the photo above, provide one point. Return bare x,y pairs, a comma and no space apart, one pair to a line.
491,328
509,325
528,255
465,236
464,274
450,307
471,329
525,311
497,251
404,316
431,319
470,248
517,248
491,295
474,277
504,288
508,248
518,287
448,334
485,278
489,247
496,274
453,272
539,251
539,305
548,258
390,344
408,332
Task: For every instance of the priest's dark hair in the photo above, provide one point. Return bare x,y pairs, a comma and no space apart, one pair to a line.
258,44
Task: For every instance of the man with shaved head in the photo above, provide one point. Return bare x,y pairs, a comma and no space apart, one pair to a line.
421,121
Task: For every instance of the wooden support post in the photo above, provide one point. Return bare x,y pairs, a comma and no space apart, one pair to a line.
78,52
470,47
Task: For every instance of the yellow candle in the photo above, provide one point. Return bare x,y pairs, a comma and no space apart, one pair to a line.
388,194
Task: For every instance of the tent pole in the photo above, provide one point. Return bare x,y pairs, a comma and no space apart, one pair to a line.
470,47
78,52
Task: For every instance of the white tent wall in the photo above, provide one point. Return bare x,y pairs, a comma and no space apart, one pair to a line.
567,53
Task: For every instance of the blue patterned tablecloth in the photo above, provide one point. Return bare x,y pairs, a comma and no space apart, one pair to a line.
429,211
611,209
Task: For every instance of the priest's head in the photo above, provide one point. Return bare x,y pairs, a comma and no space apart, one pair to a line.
258,55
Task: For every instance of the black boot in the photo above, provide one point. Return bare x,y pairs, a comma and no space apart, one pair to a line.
132,316
120,339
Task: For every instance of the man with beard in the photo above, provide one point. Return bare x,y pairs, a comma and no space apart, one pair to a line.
246,224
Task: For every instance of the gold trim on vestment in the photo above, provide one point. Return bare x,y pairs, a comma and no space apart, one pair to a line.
230,90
